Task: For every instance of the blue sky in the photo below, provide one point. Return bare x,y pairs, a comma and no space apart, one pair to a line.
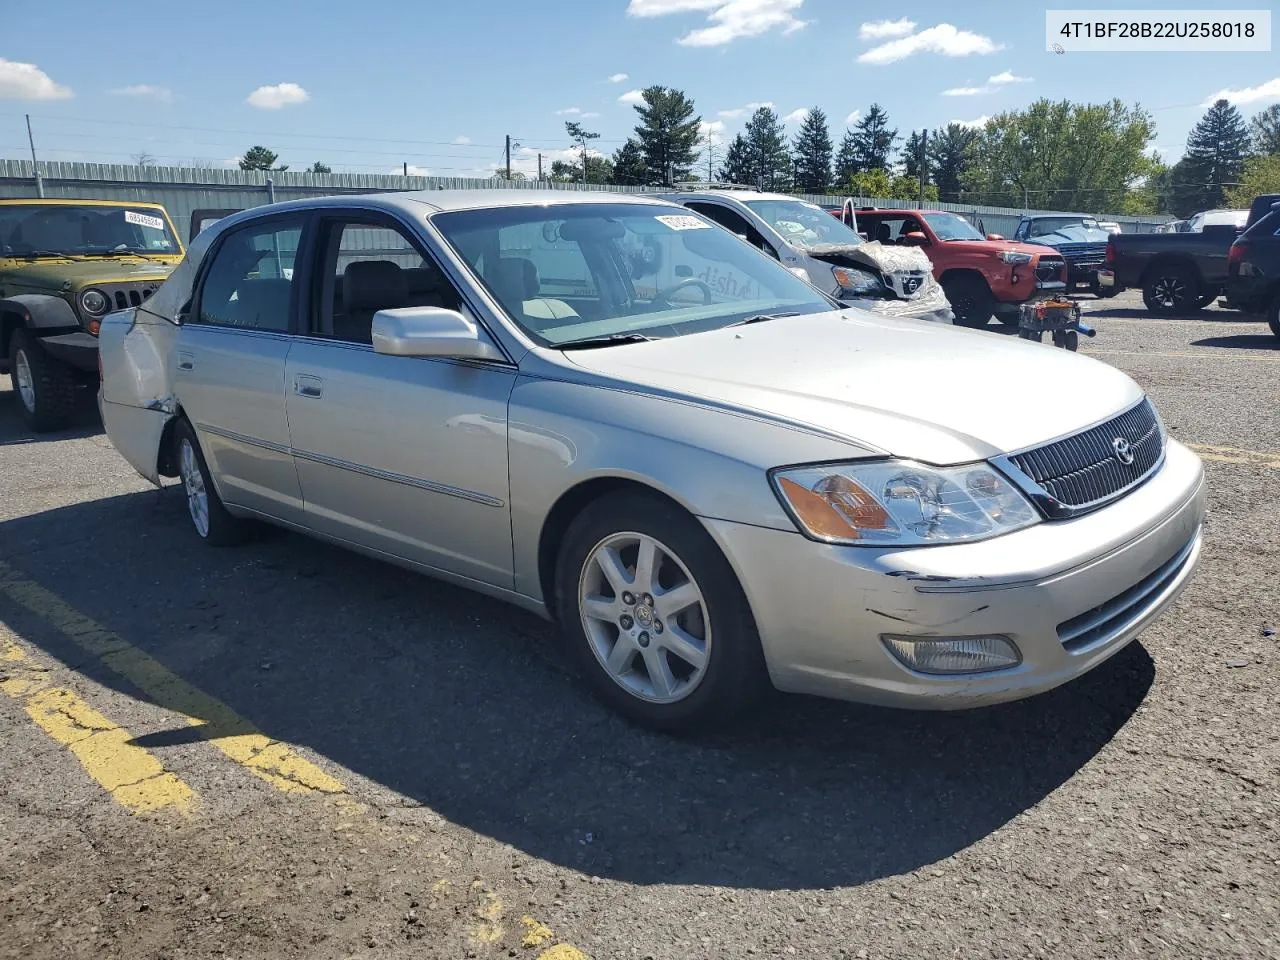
438,85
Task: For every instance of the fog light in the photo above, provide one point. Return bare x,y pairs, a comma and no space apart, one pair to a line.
945,655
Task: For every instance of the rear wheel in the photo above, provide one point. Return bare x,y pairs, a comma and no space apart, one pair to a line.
971,300
213,524
654,615
1171,289
45,387
1273,316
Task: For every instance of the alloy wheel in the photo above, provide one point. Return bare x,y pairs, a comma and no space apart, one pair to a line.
25,382
645,617
1169,292
193,483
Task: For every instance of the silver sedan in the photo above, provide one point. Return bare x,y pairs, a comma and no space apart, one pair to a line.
610,411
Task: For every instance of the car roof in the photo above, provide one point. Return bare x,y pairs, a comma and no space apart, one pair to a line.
743,195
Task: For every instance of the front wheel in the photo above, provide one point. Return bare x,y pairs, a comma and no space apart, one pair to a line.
654,615
212,523
46,388
1273,317
1170,290
971,300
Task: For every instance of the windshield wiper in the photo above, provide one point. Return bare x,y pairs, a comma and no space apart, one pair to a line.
612,340
762,318
121,253
32,254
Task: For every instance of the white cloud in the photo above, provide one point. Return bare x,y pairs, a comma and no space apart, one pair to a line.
462,139
632,97
1263,93
730,19
26,81
568,112
1008,77
144,90
277,95
852,118
796,117
884,29
965,91
977,123
589,116
617,77
710,130
751,107
944,39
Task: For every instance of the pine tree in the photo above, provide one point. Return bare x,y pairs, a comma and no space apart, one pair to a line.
950,156
813,153
767,143
846,164
1216,151
629,168
1264,128
668,134
873,140
736,167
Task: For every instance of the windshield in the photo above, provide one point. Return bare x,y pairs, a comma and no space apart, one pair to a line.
950,227
52,229
804,224
1047,225
584,270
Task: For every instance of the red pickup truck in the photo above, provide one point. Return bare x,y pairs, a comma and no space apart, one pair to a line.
981,276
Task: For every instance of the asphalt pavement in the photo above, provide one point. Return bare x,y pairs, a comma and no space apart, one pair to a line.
286,750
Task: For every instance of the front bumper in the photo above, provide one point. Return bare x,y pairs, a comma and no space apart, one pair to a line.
822,609
79,349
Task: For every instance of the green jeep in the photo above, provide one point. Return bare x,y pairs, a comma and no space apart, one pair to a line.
64,264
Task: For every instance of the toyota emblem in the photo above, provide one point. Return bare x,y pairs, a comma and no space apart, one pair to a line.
1123,451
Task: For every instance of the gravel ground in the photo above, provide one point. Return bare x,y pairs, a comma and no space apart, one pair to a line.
493,809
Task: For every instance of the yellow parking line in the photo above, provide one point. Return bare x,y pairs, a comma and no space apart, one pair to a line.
272,761
132,775
1256,458
562,951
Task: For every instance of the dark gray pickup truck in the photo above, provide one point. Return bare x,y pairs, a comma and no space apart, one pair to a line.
1176,272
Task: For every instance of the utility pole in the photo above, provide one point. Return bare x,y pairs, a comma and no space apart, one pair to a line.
508,156
406,167
35,167
539,167
921,163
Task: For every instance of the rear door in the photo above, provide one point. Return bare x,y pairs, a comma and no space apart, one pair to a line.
229,364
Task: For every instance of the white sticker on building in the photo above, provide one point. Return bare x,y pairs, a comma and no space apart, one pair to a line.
142,220
676,222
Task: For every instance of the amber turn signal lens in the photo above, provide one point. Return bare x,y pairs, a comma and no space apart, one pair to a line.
836,507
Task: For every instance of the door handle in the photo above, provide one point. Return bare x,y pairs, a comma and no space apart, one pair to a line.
186,361
308,386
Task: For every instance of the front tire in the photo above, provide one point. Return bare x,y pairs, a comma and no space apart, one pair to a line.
1273,316
1171,290
971,300
45,387
212,523
655,616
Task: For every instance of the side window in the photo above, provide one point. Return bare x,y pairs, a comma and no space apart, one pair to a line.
365,267
734,223
250,281
888,229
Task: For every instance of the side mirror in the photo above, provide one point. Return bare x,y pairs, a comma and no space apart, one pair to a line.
430,332
995,236
914,239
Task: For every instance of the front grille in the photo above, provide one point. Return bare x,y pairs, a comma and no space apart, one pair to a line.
1085,470
1108,620
125,295
1083,254
1049,270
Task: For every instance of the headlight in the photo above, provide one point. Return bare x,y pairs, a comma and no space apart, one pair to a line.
857,281
1012,256
897,502
94,301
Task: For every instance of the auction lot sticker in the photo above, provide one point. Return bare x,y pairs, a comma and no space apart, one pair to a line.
142,220
1174,31
684,223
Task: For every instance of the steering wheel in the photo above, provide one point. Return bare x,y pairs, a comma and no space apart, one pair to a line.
664,296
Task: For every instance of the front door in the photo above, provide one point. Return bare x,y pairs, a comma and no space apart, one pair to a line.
405,455
229,366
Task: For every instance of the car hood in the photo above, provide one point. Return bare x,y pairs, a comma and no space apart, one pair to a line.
886,259
59,274
993,247
1073,235
908,388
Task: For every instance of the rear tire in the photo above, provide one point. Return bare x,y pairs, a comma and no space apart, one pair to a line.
46,387
1273,316
662,660
212,523
1171,290
971,300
